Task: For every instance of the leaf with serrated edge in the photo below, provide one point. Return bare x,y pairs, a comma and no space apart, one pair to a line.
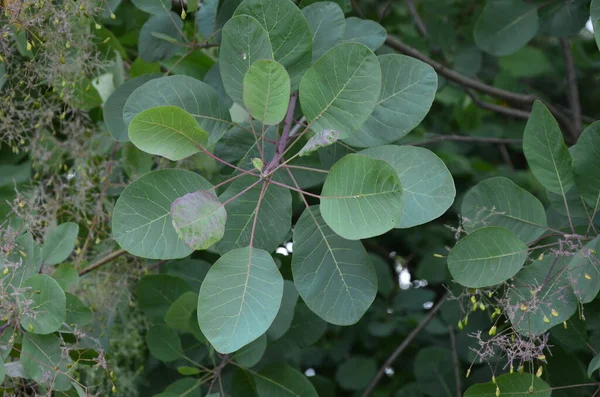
199,219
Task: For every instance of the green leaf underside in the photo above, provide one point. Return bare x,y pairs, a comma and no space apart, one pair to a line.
500,202
288,33
152,48
195,97
244,42
266,91
274,216
586,163
31,261
199,219
164,343
361,197
341,98
511,385
486,257
319,140
364,31
59,243
142,223
47,308
168,131
327,25
550,280
278,380
334,276
40,354
239,298
180,312
505,26
546,152
427,185
584,271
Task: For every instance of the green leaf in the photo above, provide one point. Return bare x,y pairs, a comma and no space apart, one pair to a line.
239,146
152,48
586,162
319,140
281,380
584,271
157,293
573,336
288,32
213,78
595,17
168,131
78,314
244,42
593,366
113,108
192,271
543,290
504,26
305,318
546,152
333,276
486,257
40,355
59,243
195,97
434,370
249,355
356,373
28,254
157,7
285,315
239,298
385,280
427,185
2,369
500,202
362,197
206,18
142,223
43,304
188,371
511,385
140,67
343,100
364,31
274,216
407,91
327,25
199,219
527,62
564,19
267,91
180,312
164,343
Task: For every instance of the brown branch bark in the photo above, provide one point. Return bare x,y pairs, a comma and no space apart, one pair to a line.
455,361
572,86
416,17
507,111
404,345
103,261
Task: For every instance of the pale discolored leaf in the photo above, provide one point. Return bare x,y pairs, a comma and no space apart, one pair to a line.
542,296
584,271
279,380
59,243
266,91
168,131
407,91
486,257
546,152
288,32
239,298
334,276
327,25
44,304
499,201
343,100
586,163
195,97
511,385
319,140
142,223
199,219
504,26
364,31
427,185
362,197
244,42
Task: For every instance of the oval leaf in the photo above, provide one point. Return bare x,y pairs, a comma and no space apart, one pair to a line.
361,197
584,271
344,100
239,298
364,31
164,343
512,385
333,276
44,304
327,25
279,380
157,36
142,223
586,163
267,91
42,358
59,243
500,202
486,257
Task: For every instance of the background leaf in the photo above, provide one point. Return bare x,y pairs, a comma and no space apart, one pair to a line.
511,385
356,373
364,31
153,48
586,162
59,243
584,271
157,293
47,308
164,343
281,381
327,25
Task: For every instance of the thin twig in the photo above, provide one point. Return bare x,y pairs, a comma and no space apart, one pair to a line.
507,111
462,138
573,91
506,156
357,9
416,17
103,261
385,10
404,345
455,361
